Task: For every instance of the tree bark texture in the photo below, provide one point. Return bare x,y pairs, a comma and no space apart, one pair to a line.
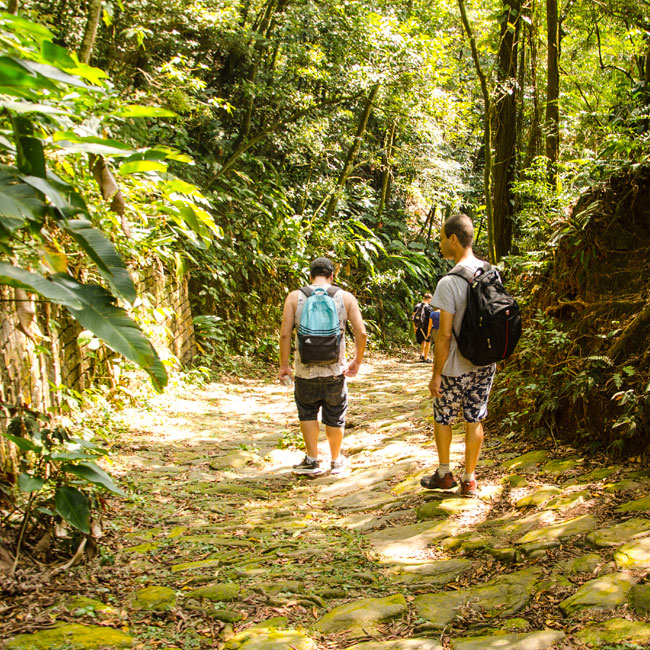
12,7
353,151
385,177
90,33
535,134
553,91
487,131
505,132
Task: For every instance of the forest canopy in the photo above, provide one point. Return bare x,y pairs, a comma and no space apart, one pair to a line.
235,141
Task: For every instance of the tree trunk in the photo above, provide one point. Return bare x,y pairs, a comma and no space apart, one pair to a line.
12,7
385,177
352,153
487,132
88,41
535,135
505,135
553,92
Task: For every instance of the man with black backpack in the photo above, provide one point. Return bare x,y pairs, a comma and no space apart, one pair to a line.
480,321
319,313
421,319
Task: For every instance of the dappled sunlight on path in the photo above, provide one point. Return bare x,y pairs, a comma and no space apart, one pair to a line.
222,546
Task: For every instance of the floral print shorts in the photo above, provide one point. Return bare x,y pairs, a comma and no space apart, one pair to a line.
469,392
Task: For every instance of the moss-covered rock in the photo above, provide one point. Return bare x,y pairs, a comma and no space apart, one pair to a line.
616,630
159,599
361,617
220,592
541,640
515,480
567,501
440,572
526,463
399,644
639,598
639,505
583,564
81,604
569,528
538,497
605,592
635,555
619,533
71,635
270,639
561,465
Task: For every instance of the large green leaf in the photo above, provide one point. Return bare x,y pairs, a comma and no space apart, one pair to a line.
22,443
95,475
110,323
73,143
74,507
24,26
18,203
28,483
14,276
50,72
138,166
31,107
15,72
104,254
134,110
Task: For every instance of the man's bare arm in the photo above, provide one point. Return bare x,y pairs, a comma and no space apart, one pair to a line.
360,335
286,329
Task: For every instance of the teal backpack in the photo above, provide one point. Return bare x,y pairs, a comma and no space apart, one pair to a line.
319,331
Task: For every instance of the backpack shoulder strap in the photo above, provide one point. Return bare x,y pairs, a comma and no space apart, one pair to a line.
306,290
462,272
332,291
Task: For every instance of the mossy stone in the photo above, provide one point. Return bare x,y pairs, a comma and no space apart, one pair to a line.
399,644
569,528
141,548
88,604
584,564
538,497
199,564
272,639
71,635
515,480
526,462
361,617
639,598
159,599
227,615
540,640
619,533
220,592
635,555
615,630
561,465
624,485
640,505
605,592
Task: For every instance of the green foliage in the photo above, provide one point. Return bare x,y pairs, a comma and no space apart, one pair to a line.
59,480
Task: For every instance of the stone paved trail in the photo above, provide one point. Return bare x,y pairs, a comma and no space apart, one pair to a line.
221,547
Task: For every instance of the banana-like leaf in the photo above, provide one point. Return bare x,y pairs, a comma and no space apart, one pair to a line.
73,143
16,72
18,203
74,507
137,166
103,253
93,474
18,278
110,323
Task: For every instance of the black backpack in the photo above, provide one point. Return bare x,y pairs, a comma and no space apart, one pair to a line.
491,326
421,316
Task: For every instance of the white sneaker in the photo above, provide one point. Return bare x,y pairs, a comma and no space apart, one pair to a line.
339,465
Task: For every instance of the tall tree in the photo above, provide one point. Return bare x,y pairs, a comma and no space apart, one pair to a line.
90,33
553,90
505,132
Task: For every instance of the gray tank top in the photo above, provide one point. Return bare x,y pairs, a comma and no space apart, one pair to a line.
335,369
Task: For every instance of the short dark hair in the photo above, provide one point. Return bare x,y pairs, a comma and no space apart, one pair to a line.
321,266
427,295
461,226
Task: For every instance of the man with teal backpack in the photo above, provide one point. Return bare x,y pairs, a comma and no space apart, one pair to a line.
319,313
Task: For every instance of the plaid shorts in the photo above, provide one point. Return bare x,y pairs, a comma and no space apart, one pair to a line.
469,392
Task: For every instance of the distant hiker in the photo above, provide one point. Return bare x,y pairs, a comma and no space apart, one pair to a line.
435,325
319,313
456,382
421,319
